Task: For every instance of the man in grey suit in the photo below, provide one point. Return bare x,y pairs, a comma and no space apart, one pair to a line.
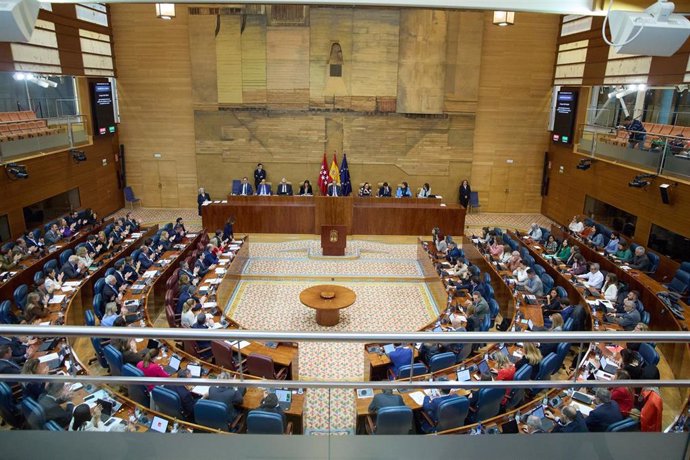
53,235
385,399
52,401
230,396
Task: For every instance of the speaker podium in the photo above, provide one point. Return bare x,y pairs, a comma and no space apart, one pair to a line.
333,240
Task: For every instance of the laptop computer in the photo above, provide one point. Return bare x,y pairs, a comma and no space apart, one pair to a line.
133,317
483,367
582,397
174,365
510,426
48,344
464,375
106,409
512,358
194,369
153,344
284,399
607,366
546,423
388,349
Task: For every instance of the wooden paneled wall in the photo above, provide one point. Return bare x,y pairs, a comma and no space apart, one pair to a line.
608,182
291,145
192,86
155,95
56,173
514,92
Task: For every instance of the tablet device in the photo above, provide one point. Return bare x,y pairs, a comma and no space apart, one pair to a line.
464,375
388,349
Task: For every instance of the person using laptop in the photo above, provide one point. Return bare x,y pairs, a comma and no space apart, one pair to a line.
232,397
270,404
571,421
385,399
151,368
506,372
85,418
534,425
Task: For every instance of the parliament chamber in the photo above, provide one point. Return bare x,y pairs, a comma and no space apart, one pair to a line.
433,221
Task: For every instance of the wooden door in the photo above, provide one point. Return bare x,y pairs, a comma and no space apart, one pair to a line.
167,178
150,184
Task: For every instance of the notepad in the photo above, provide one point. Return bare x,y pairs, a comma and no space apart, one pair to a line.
223,261
220,271
150,274
57,299
201,390
48,357
209,304
418,397
71,284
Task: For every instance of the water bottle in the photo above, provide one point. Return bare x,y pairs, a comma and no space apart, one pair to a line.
517,415
175,427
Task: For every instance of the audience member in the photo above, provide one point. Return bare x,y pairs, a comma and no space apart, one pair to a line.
605,413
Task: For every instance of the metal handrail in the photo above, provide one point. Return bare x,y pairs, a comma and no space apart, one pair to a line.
380,385
361,337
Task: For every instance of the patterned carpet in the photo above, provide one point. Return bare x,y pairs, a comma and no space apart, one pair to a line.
272,303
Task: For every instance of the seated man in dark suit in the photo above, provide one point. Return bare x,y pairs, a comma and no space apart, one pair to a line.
284,188
210,258
263,189
130,269
453,253
571,421
7,365
73,269
430,406
270,404
110,291
145,258
52,401
201,323
186,396
334,190
17,347
200,268
640,260
385,399
186,294
232,397
385,190
606,413
53,235
246,188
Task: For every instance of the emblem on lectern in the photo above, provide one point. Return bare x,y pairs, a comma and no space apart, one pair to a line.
334,236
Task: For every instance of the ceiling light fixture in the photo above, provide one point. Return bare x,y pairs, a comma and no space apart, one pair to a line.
165,10
504,18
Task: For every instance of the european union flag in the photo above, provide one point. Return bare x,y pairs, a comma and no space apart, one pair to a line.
345,185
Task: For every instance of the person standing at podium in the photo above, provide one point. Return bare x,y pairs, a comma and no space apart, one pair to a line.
259,175
202,197
334,190
284,188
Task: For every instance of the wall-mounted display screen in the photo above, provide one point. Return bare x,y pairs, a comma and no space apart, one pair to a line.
102,108
564,118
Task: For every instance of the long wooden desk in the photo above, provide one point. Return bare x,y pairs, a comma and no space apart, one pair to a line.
361,216
31,265
661,319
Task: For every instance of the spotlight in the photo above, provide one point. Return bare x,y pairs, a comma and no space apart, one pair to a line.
15,171
78,155
641,180
19,76
584,165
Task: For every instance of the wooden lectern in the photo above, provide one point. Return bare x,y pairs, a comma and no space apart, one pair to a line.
333,240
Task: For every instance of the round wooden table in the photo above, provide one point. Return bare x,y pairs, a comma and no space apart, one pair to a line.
327,300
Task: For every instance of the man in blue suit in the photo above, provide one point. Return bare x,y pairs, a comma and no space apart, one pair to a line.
430,406
263,189
454,253
400,357
606,413
572,421
246,188
334,190
145,259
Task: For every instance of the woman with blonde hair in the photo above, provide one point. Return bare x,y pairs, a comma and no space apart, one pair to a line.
188,317
531,357
164,241
556,322
84,257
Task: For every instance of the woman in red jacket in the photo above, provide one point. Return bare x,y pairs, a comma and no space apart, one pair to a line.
623,395
652,410
506,371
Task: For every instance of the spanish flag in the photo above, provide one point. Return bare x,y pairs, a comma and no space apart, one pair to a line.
334,173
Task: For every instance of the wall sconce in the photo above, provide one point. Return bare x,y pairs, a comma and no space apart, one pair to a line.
165,10
504,18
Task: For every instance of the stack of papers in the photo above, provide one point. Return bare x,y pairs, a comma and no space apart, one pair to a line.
57,299
214,280
209,304
239,344
220,271
149,274
201,390
71,283
418,397
48,357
